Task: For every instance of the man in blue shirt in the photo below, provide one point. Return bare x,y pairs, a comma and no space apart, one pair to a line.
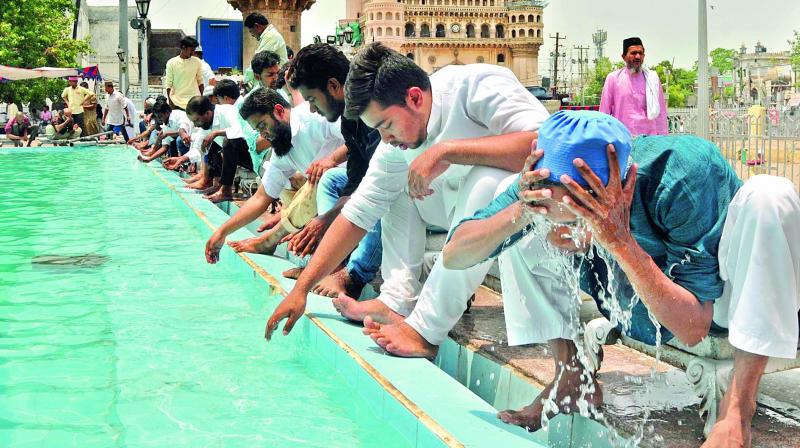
682,239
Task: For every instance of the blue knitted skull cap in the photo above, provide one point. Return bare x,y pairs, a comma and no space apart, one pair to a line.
568,135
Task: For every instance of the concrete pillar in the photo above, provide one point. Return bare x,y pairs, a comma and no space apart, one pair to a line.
524,61
284,15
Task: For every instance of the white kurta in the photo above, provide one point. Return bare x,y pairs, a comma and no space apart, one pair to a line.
313,138
468,102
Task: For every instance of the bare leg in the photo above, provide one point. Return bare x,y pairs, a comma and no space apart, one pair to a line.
215,185
739,403
571,391
225,193
356,311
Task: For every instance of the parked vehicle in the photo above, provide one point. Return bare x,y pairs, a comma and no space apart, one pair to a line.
540,93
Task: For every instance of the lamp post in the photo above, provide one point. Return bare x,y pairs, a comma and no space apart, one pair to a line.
142,24
702,70
122,53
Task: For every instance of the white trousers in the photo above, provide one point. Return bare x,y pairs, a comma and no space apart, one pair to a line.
759,255
435,307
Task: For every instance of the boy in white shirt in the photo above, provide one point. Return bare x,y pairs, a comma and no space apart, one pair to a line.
176,124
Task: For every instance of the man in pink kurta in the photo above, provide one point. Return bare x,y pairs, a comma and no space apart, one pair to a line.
625,93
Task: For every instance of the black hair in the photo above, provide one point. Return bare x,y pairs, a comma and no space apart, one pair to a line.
255,18
262,101
199,105
289,52
380,74
161,99
227,87
281,81
315,64
162,108
189,42
262,60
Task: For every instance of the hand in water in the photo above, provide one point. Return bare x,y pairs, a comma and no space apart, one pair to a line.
213,246
424,169
291,308
608,213
305,241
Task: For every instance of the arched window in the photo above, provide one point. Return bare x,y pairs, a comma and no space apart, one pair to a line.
470,30
485,30
439,30
499,31
479,60
425,30
530,18
521,33
501,58
371,16
397,16
513,33
380,32
538,33
513,19
410,31
397,31
380,16
389,31
538,18
410,56
521,18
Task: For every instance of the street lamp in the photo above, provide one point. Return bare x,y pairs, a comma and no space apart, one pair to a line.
142,24
331,40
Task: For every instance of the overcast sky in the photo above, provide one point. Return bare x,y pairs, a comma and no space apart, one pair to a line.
668,28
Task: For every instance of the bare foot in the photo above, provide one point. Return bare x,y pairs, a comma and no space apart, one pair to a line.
210,190
262,244
338,283
356,311
219,196
249,245
293,273
399,339
199,185
571,396
189,180
729,432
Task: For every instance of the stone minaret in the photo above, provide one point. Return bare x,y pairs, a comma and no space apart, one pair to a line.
353,9
284,14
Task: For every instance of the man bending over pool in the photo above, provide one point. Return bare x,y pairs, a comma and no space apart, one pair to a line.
681,232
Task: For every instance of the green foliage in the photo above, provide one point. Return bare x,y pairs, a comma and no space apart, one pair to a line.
795,53
722,59
36,33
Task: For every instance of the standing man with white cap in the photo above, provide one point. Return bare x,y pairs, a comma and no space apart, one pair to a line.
209,79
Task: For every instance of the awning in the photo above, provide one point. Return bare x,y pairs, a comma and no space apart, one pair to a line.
16,74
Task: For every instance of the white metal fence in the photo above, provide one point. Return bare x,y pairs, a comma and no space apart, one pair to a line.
753,140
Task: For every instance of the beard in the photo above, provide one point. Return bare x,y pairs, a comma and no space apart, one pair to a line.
282,138
634,69
337,107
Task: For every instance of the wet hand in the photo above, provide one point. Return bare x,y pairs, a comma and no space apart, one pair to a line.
608,212
424,169
529,177
213,246
291,308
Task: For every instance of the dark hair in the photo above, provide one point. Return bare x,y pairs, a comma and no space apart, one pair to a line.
262,60
315,64
48,107
84,84
189,42
227,87
262,101
162,108
199,105
289,52
255,18
281,81
380,74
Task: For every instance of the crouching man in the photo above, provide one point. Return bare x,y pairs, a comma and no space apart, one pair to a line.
684,239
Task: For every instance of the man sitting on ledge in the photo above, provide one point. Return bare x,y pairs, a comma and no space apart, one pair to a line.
682,239
298,138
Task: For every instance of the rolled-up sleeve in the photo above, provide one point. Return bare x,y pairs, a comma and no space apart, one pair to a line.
384,182
499,101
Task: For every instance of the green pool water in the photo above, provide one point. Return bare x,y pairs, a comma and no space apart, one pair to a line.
140,343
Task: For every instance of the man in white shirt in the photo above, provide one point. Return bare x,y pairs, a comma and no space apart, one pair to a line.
209,78
174,135
183,78
269,39
299,137
116,113
448,142
223,141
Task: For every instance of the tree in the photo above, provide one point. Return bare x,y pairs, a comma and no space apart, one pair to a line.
35,33
795,56
722,59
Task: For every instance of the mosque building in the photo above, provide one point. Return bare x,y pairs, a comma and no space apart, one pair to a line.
437,33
